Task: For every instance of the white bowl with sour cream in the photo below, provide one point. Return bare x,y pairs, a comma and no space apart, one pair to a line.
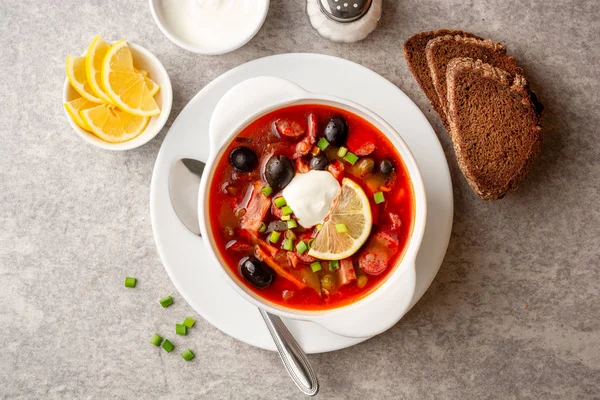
209,27
379,310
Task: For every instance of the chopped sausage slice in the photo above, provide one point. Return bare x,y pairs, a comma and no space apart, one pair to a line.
290,129
337,169
364,150
375,257
346,273
257,209
238,247
281,270
305,145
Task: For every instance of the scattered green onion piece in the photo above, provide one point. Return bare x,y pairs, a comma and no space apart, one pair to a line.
323,144
288,244
130,282
319,227
287,210
180,329
189,322
267,190
334,265
156,340
168,346
310,243
292,224
290,235
166,302
341,228
286,217
351,158
274,238
378,197
280,202
301,247
315,266
342,152
187,355
263,227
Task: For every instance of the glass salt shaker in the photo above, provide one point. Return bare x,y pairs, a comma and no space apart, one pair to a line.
344,21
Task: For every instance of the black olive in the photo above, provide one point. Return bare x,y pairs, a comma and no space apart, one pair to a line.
256,272
243,158
336,131
278,226
319,162
279,172
386,167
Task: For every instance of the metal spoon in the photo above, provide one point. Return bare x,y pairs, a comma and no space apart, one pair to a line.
184,181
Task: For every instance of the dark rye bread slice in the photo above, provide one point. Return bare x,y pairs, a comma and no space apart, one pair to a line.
441,50
495,126
414,53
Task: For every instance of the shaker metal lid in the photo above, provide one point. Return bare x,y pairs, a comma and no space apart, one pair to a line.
344,10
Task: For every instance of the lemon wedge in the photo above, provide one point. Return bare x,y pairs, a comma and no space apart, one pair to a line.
126,86
93,65
77,77
347,226
73,108
153,87
113,125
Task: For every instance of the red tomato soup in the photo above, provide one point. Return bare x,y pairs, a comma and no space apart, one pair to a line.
263,240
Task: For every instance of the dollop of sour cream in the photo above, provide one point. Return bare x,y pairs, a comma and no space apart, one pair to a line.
206,22
311,196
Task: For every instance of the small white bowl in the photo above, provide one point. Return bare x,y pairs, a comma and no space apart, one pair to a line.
214,48
145,60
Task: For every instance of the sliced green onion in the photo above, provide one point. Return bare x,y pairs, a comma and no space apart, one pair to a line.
156,340
319,227
280,202
290,235
287,210
288,244
342,152
351,158
301,247
378,197
168,346
130,282
274,238
166,302
322,144
334,265
267,190
180,329
187,355
310,243
286,217
189,322
263,227
292,224
341,228
315,266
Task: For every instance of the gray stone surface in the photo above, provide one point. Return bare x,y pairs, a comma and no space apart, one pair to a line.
513,313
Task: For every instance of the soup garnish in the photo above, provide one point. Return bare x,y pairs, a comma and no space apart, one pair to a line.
311,207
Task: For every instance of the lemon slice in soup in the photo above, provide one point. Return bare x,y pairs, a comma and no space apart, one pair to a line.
347,226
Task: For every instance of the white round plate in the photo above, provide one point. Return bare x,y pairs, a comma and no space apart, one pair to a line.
183,254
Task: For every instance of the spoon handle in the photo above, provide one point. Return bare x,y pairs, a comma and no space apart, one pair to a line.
292,355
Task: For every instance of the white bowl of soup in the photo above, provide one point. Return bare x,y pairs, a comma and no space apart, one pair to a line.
313,206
